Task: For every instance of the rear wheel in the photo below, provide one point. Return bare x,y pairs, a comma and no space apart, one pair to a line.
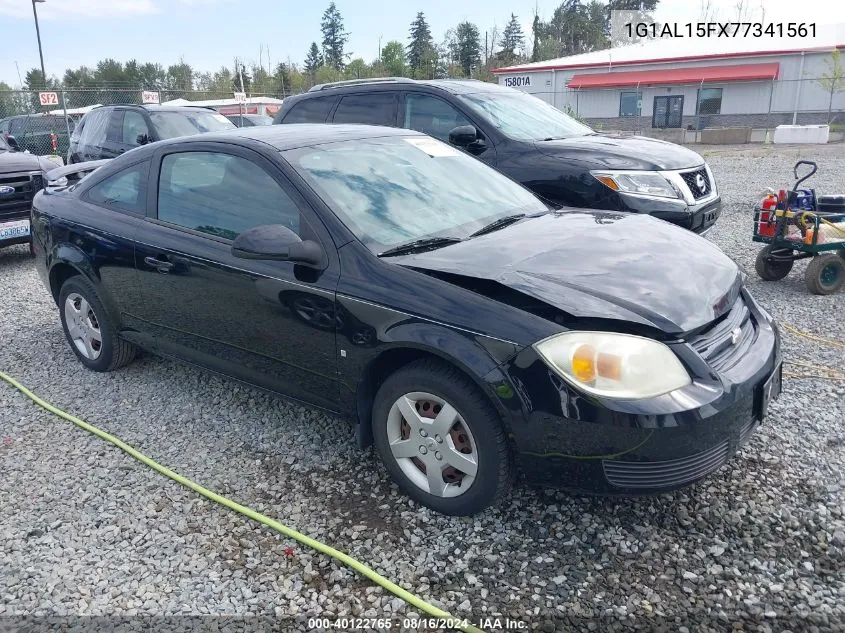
825,274
769,264
441,440
89,329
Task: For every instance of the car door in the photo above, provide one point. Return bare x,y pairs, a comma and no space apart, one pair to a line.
269,323
437,117
93,138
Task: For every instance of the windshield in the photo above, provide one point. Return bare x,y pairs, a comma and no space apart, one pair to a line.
173,124
397,189
523,117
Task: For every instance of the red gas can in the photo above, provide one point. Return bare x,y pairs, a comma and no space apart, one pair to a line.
766,225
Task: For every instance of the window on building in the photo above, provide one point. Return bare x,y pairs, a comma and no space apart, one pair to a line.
630,103
709,101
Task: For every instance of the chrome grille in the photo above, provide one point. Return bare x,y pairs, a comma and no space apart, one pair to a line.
693,182
666,474
724,344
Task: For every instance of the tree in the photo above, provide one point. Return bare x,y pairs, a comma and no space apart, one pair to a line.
357,69
512,41
422,55
574,28
313,60
241,78
535,29
393,59
642,12
334,38
468,47
833,80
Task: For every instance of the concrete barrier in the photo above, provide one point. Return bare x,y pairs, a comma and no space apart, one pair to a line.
673,135
725,135
802,134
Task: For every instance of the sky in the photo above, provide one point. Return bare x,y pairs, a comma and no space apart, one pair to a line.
211,33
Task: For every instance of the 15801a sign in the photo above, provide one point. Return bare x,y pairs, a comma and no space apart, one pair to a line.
518,82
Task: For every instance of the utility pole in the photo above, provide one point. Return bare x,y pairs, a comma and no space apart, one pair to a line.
38,35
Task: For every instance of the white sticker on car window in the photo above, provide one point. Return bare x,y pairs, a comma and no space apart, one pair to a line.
432,147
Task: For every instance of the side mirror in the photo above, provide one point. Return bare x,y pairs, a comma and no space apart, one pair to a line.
12,142
463,135
276,242
142,139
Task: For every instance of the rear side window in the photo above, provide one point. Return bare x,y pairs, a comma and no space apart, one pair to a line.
96,127
17,125
310,111
123,190
375,108
134,125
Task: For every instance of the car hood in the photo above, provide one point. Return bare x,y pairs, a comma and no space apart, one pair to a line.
607,151
19,161
594,264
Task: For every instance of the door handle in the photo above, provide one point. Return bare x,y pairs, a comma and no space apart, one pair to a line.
160,265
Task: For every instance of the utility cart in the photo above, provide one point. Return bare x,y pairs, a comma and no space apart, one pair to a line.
795,225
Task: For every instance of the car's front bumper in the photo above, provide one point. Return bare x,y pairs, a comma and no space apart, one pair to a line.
570,440
698,218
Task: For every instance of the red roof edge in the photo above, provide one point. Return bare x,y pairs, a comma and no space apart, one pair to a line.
686,58
682,75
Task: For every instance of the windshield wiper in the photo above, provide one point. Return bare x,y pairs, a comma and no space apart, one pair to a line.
495,225
426,244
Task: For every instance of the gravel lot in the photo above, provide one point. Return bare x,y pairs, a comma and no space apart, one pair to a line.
87,530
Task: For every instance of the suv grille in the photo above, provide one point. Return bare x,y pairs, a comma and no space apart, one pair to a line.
695,180
723,344
18,204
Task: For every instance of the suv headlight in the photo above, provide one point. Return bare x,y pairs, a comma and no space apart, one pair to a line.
644,183
614,365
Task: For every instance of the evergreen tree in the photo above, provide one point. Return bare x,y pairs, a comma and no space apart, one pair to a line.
422,55
334,38
512,40
535,29
468,47
314,60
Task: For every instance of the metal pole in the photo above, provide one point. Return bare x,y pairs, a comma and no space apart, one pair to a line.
769,114
67,121
798,91
38,35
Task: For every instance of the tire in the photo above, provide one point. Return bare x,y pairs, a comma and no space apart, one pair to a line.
89,329
475,437
769,270
825,274
842,253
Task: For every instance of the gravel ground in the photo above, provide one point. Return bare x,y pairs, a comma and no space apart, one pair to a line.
85,530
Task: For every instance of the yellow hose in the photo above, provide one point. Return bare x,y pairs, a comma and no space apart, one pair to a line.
347,560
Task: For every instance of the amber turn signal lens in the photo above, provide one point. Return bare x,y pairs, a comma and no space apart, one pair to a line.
584,363
610,182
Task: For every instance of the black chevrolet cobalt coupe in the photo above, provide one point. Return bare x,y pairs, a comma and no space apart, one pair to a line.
469,330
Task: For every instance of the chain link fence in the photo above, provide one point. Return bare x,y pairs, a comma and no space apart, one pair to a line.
42,121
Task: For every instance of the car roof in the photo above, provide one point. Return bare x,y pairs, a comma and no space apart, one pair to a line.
290,136
156,108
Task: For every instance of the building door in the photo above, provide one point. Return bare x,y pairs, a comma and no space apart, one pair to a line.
668,111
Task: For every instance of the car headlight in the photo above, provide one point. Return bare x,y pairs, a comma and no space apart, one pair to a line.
644,183
614,365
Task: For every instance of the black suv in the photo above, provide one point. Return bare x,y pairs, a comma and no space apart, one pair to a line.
558,158
110,130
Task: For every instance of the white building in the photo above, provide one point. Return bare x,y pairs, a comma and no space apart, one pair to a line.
691,83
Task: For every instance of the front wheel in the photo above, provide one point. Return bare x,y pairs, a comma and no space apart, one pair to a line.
825,274
441,440
771,263
89,330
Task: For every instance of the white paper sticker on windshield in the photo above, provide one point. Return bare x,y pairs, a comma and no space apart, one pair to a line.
432,147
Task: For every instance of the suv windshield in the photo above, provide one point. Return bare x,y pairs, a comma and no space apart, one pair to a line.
174,124
396,189
524,117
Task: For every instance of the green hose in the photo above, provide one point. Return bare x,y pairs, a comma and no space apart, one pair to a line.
347,560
